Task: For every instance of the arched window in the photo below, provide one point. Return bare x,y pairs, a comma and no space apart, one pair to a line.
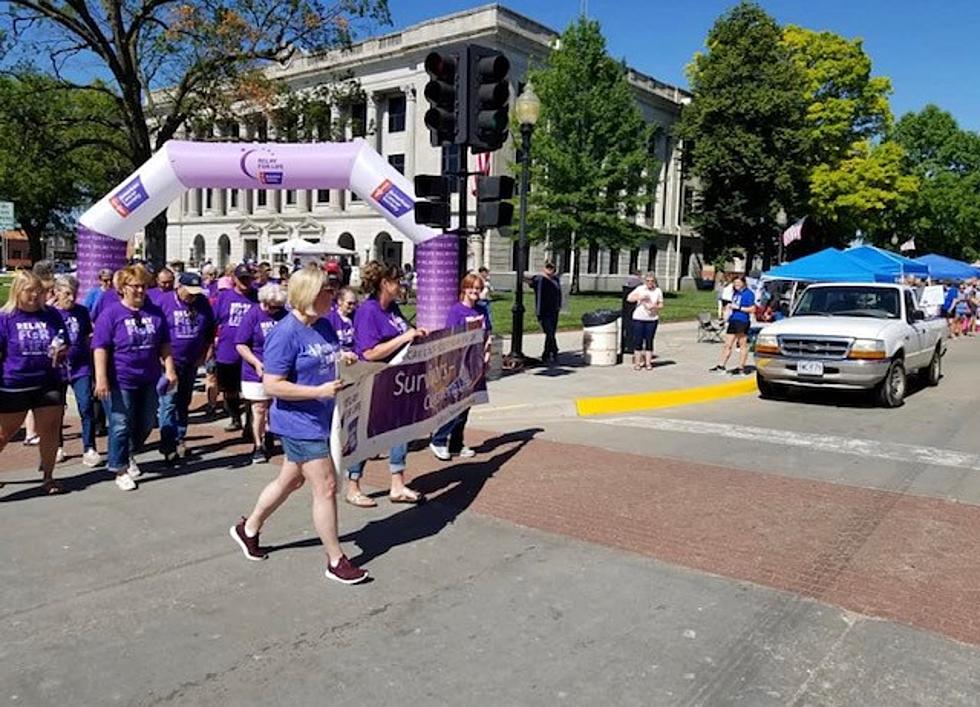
346,240
224,250
199,254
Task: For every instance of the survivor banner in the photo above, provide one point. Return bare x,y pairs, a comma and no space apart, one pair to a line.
430,382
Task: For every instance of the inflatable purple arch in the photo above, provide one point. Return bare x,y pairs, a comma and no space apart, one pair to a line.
179,165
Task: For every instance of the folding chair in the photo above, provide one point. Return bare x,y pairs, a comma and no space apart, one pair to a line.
709,329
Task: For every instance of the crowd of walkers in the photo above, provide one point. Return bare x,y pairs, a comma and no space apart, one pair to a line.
134,350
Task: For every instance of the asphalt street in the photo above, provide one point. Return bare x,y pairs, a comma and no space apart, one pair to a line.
751,552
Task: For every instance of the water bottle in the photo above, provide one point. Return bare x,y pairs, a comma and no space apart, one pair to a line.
57,343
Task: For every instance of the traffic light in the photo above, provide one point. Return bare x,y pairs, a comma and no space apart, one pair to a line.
432,200
492,208
487,98
443,92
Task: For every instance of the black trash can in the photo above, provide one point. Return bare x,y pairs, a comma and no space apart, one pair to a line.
599,317
626,345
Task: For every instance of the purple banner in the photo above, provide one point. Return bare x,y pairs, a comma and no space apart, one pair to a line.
436,266
96,251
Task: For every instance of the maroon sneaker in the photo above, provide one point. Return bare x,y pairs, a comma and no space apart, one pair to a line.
345,572
249,546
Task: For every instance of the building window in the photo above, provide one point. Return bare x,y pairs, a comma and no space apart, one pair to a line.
322,196
262,197
396,114
233,198
208,198
354,196
290,197
614,261
593,261
398,162
634,260
450,165
358,120
652,258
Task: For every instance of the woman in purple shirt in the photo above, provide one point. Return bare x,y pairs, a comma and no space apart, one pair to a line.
33,342
79,363
301,357
131,338
342,317
233,304
380,331
250,342
448,439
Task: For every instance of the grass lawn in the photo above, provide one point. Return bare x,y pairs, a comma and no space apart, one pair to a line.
678,306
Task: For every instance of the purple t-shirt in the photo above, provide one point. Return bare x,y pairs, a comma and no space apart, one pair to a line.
157,296
25,341
373,325
132,340
78,323
229,312
344,328
108,298
252,332
461,315
306,355
191,327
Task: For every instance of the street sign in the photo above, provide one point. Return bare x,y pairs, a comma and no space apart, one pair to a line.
7,222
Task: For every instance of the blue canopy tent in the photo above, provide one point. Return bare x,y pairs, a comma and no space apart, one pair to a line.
943,268
892,265
828,265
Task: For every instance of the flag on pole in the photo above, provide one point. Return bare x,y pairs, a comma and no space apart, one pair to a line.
908,245
794,232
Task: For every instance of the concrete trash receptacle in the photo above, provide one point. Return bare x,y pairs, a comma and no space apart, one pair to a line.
600,344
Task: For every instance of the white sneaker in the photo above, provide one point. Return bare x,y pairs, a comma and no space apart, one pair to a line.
125,482
133,469
91,458
182,449
59,456
466,453
441,453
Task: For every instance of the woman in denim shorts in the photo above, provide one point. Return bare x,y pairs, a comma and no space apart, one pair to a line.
300,372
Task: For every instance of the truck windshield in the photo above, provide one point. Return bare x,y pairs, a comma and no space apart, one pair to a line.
881,303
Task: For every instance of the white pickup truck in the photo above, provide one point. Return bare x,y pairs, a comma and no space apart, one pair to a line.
851,336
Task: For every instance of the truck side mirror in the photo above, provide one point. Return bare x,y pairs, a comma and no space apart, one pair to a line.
918,315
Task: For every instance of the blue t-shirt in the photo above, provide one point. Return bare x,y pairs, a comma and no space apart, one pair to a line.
951,296
305,355
742,298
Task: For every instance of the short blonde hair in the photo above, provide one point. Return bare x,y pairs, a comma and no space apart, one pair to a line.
22,280
272,294
304,288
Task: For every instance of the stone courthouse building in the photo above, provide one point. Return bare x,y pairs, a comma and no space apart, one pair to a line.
229,225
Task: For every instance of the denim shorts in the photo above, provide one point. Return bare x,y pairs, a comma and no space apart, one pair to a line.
299,451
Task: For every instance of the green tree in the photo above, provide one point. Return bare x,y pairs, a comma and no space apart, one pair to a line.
746,131
856,180
944,215
166,61
52,152
593,170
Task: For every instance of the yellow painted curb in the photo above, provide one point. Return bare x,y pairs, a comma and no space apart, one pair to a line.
615,404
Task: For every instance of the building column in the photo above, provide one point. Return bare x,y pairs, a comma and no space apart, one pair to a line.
377,107
410,107
336,195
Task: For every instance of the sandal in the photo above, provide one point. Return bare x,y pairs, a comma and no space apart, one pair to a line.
637,367
32,441
361,501
407,496
52,488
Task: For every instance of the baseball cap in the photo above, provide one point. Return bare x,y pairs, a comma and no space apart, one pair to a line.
332,267
244,272
191,282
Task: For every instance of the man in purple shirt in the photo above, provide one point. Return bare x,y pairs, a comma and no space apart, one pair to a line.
191,323
231,308
164,288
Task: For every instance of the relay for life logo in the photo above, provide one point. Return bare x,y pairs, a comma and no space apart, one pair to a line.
129,197
262,165
392,199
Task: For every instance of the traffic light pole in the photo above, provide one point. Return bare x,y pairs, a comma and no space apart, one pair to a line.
461,230
517,324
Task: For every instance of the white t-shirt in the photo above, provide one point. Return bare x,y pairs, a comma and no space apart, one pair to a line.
727,292
647,302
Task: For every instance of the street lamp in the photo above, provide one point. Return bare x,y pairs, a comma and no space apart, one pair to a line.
527,107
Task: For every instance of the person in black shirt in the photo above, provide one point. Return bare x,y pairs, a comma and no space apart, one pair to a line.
547,303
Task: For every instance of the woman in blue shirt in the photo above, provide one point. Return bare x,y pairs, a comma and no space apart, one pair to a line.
739,319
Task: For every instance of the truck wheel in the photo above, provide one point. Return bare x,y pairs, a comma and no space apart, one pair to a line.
891,391
934,371
767,390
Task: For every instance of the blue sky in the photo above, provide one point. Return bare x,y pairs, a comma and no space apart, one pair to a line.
928,49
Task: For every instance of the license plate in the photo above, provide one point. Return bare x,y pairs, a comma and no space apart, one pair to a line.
810,368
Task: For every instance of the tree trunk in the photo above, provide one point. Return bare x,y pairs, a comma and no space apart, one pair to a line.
156,240
35,241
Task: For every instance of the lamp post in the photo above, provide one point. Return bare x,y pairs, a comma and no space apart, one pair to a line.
528,110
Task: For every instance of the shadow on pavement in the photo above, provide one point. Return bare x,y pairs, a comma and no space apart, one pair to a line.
830,397
459,485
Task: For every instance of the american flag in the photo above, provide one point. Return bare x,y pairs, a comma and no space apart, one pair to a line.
794,232
907,245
